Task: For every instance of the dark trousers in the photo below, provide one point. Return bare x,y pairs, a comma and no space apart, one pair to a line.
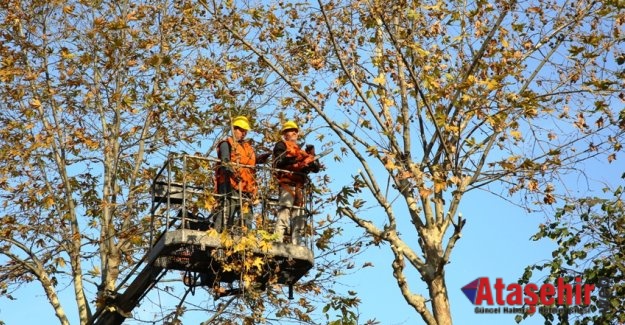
231,214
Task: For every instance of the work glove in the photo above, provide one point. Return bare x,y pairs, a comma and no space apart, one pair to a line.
231,173
310,149
262,158
308,160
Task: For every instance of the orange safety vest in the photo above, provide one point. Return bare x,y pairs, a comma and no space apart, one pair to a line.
243,158
297,177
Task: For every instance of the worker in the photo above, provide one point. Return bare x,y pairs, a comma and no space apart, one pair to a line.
293,166
235,177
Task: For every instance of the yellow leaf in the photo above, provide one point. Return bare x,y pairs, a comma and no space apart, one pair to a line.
516,134
95,271
431,83
371,150
492,84
380,79
390,165
420,51
60,262
210,203
35,103
425,192
68,9
226,240
136,240
91,144
532,185
504,43
387,101
48,201
66,54
258,263
439,186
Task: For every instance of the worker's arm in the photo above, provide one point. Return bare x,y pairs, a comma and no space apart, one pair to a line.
224,156
224,152
279,156
262,158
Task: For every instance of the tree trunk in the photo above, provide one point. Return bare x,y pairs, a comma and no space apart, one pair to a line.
440,302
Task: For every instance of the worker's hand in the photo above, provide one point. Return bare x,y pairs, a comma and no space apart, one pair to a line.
310,149
308,160
262,158
232,174
305,163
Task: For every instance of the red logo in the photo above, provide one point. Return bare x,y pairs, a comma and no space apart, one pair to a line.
480,292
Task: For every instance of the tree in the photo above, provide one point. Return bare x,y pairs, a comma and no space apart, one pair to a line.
85,90
590,244
92,94
435,99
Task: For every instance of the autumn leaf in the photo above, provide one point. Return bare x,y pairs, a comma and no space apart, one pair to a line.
48,201
425,192
549,199
136,240
580,123
387,102
210,202
68,10
60,262
507,165
66,54
491,84
390,165
258,263
35,103
431,83
516,135
95,271
380,79
439,186
532,185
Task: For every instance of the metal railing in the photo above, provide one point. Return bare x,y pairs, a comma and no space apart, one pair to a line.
184,195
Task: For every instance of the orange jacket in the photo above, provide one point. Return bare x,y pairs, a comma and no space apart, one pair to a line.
294,159
243,159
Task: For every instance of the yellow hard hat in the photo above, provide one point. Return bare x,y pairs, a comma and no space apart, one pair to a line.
289,125
242,122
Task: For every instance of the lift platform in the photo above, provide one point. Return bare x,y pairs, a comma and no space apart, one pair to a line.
182,239
202,252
